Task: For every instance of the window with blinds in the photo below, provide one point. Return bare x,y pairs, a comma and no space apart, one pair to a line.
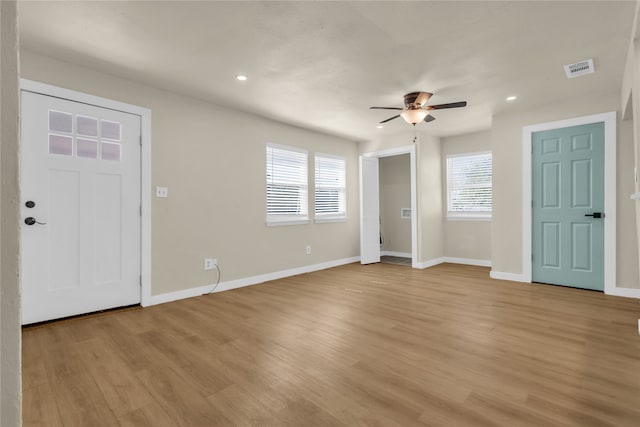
287,188
330,188
469,191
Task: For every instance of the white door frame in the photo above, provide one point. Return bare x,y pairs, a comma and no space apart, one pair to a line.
145,165
609,120
411,150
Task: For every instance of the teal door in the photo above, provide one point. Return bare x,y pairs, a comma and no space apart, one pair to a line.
568,206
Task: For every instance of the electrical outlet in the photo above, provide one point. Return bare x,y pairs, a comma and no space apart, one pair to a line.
210,263
308,250
162,192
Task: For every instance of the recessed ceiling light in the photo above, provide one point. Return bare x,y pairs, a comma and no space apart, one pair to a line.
241,77
511,98
379,126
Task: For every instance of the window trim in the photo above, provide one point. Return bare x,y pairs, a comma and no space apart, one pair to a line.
467,215
282,220
331,217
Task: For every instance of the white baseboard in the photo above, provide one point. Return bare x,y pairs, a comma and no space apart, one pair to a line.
247,281
177,295
507,276
430,263
453,260
254,280
620,292
394,253
625,292
468,261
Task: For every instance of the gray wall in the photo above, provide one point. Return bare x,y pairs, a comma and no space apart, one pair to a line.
431,209
213,161
502,245
630,104
428,187
10,333
395,194
626,238
467,239
506,140
437,237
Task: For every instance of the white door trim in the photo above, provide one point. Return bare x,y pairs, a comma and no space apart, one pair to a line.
609,120
411,150
145,165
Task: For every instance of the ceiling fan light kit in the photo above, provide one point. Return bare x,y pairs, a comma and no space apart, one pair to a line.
414,116
414,110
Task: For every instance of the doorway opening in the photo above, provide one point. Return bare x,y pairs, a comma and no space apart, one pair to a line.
388,224
395,209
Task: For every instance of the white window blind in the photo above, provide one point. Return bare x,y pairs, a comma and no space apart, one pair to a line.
469,191
330,191
287,188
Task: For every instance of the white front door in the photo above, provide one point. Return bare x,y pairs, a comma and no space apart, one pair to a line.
80,207
369,210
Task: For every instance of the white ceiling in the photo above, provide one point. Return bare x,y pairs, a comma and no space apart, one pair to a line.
320,65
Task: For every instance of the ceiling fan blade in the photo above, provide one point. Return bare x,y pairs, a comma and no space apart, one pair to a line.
429,118
386,108
390,118
450,105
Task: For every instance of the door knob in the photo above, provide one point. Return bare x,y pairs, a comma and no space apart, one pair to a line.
595,215
31,221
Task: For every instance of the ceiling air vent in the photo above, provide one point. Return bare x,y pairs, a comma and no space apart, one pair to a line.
579,68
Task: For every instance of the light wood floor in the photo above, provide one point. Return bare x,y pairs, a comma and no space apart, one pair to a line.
388,259
378,345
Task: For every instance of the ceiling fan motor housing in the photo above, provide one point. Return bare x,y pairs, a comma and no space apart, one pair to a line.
416,100
414,110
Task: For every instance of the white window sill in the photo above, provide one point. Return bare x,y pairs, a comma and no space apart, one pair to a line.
468,218
287,222
331,219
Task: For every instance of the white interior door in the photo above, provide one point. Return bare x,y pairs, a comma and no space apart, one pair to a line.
80,206
369,211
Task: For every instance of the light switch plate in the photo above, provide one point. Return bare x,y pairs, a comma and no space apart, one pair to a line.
162,192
